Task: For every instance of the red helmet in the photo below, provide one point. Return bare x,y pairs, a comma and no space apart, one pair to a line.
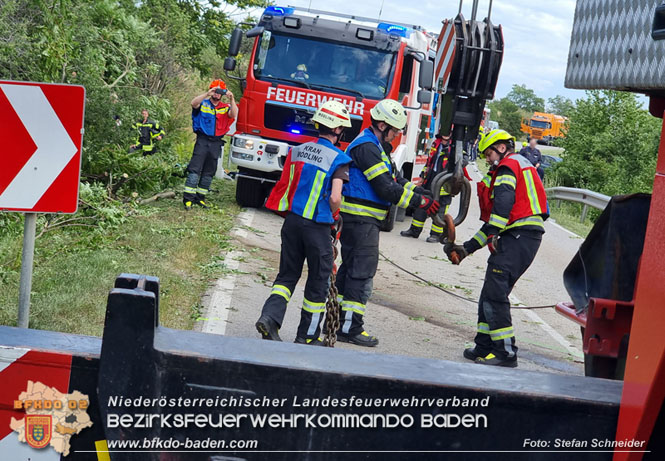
218,83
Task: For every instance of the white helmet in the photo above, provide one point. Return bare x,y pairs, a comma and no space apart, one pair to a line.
390,112
332,114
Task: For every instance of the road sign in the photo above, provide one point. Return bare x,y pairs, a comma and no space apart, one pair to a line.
445,55
41,128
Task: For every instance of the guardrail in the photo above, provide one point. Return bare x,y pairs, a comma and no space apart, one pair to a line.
584,196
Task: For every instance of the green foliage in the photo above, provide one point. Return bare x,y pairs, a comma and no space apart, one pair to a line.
507,114
611,145
560,105
526,99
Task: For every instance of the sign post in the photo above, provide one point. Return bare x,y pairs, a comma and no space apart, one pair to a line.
41,126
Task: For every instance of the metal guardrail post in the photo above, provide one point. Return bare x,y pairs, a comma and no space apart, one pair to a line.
585,208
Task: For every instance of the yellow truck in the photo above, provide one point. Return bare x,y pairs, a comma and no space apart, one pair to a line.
544,127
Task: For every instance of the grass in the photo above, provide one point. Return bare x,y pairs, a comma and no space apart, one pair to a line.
75,269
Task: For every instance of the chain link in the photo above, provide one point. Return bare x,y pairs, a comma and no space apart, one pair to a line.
332,303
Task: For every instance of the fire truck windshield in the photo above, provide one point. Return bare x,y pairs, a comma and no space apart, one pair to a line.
324,65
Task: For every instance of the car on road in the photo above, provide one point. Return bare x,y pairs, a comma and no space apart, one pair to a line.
549,161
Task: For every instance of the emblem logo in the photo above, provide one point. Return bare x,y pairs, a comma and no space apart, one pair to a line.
38,430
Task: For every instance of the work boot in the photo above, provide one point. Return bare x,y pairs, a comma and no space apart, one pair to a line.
268,328
203,204
361,339
410,232
472,354
491,359
187,204
434,238
309,341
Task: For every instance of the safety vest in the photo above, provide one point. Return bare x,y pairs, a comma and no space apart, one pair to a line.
205,118
306,182
358,190
530,196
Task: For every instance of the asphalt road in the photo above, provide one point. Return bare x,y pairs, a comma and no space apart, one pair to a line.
409,316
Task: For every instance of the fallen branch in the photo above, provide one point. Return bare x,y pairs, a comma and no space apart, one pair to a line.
154,198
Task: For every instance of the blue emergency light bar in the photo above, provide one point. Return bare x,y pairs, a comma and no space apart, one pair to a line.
394,29
278,11
295,131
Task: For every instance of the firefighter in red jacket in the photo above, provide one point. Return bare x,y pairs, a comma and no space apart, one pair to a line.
436,163
309,192
513,206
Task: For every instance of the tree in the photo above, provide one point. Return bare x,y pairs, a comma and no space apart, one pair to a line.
507,114
526,99
611,145
560,105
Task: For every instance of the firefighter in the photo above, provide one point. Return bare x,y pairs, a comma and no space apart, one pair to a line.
211,119
513,206
310,192
366,199
148,131
436,163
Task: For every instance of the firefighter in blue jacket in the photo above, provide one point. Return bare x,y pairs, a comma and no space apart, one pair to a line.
371,190
310,192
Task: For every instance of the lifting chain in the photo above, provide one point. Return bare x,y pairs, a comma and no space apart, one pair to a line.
332,303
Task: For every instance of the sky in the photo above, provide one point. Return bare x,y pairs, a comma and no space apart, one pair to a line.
536,33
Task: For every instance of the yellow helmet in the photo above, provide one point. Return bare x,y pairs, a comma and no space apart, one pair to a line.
495,136
332,114
390,112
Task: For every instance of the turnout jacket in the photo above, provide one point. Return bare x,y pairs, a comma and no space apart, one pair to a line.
306,182
372,186
147,131
510,196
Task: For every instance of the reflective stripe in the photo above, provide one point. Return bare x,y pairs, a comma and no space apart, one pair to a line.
201,191
443,191
348,320
284,201
531,192
313,199
481,238
483,328
502,333
508,179
314,324
487,180
353,306
416,223
207,109
190,190
362,210
498,221
281,290
437,229
405,198
528,221
309,306
375,170
410,186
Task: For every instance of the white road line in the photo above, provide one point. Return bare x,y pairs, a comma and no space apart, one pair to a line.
220,295
554,223
572,350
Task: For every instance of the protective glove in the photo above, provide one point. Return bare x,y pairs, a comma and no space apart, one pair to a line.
430,206
423,191
455,253
492,243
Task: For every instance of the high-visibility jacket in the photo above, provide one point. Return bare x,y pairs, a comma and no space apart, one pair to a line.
306,182
147,132
205,117
358,186
530,196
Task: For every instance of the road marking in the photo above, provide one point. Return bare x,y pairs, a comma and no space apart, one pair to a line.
54,147
554,223
221,294
572,350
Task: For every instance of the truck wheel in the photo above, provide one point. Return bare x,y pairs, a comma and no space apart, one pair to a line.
249,193
389,222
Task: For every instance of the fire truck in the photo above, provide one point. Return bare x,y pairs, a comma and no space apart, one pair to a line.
301,58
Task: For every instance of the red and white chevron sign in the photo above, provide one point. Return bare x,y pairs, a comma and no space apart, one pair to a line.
445,55
41,129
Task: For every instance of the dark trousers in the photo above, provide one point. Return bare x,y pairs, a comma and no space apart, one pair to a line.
302,239
420,216
202,167
360,258
515,253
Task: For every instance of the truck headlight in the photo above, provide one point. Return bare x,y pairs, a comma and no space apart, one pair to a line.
243,143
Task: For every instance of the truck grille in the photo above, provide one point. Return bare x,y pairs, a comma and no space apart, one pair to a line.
287,118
